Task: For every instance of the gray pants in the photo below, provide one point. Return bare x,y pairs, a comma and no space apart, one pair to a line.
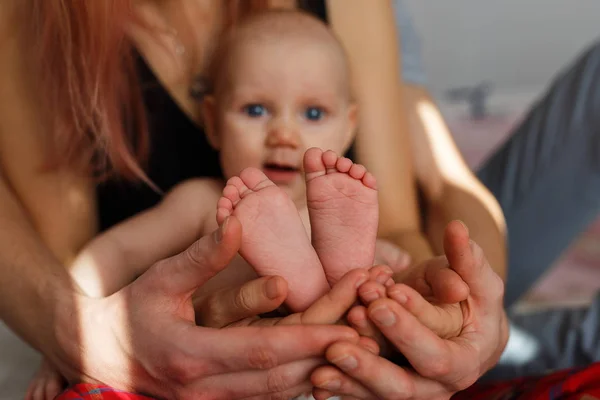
547,180
547,175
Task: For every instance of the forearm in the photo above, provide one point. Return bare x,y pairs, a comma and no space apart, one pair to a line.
450,188
32,282
382,142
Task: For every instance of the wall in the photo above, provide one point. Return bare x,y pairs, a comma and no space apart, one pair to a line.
515,44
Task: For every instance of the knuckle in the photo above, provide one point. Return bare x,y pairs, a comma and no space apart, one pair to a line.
466,380
262,358
497,287
278,382
279,395
196,256
182,369
438,368
243,300
404,391
161,272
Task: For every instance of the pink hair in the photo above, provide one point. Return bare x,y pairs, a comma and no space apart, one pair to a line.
87,82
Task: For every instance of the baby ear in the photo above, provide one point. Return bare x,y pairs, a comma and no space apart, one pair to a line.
351,129
209,116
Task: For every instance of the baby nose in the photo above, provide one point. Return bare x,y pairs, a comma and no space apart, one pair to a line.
283,135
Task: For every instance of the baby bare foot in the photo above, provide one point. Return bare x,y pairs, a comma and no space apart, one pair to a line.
274,241
342,204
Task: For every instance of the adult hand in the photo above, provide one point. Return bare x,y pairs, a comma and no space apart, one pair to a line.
441,366
144,337
242,305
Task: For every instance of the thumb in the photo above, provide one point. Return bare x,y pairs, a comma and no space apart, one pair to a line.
187,271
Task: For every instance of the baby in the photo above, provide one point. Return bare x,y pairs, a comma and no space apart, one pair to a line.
280,93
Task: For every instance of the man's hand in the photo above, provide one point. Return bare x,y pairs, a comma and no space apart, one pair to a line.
144,338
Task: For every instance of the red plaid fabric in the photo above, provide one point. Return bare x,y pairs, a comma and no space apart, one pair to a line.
86,391
575,384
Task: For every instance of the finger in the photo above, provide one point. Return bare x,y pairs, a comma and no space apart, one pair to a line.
359,320
320,394
53,389
371,291
380,274
369,345
432,357
242,348
447,286
331,308
30,392
445,322
467,259
387,378
38,391
299,392
185,272
370,370
285,381
230,305
329,381
434,279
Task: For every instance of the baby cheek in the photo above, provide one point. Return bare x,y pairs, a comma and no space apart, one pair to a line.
327,137
240,155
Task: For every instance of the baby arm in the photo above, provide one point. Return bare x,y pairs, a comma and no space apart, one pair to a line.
119,255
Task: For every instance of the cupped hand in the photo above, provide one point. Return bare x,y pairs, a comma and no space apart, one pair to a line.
440,367
144,337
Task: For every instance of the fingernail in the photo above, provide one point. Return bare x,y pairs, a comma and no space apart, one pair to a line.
476,250
331,385
399,297
272,289
361,323
384,316
464,225
346,363
363,279
370,296
221,231
383,277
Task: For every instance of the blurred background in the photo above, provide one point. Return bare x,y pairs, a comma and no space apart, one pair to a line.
508,51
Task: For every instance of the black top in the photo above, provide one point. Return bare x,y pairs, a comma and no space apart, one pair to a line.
178,149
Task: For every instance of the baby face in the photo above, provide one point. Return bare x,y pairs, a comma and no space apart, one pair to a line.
279,100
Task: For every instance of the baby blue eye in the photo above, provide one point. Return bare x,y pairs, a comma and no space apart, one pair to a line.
314,113
255,110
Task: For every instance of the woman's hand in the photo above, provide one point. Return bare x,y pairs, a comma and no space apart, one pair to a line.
441,366
144,337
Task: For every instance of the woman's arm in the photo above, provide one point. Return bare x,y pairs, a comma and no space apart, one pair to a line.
451,190
367,31
59,204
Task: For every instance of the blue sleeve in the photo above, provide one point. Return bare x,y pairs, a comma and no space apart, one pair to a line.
413,70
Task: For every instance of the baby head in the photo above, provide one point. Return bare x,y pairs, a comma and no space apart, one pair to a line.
281,85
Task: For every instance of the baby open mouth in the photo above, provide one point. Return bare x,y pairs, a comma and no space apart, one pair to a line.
281,167
280,173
